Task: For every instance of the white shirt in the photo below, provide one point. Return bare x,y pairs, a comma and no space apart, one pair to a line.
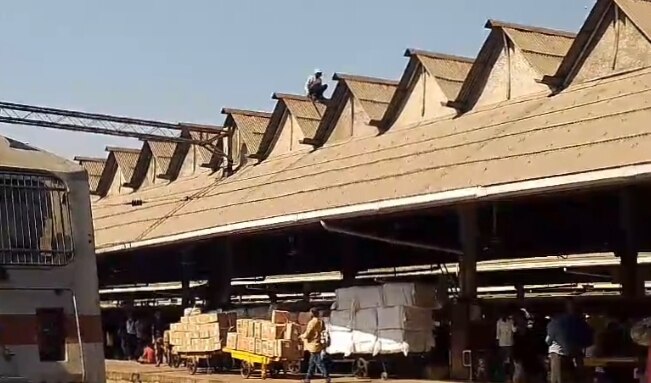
504,332
131,327
310,80
555,348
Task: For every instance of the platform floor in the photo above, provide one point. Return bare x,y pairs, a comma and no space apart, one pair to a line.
127,372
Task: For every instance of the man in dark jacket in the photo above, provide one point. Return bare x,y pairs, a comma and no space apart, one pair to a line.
567,335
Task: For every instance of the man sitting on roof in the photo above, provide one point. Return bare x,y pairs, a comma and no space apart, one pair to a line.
315,86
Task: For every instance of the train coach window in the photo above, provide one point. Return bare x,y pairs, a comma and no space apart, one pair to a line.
34,220
51,335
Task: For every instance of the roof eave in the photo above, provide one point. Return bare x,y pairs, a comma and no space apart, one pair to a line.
410,52
372,80
246,112
491,24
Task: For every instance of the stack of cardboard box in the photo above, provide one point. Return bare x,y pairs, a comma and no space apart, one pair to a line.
388,319
278,337
201,332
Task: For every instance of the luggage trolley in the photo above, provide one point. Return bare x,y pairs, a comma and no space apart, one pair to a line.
268,366
211,361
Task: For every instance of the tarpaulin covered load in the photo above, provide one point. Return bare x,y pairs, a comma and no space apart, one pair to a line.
387,295
363,323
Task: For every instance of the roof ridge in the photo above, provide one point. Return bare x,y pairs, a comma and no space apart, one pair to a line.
159,142
441,56
201,127
280,96
368,79
246,112
89,159
491,23
558,56
119,149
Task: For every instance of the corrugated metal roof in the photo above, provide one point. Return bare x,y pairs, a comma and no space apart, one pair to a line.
638,11
373,95
307,112
533,42
251,128
94,167
163,153
127,160
204,153
544,51
448,71
526,139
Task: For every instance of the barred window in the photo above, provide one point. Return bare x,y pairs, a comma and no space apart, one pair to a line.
34,220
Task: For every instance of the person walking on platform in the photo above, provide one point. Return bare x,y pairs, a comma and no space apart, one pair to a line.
132,337
315,340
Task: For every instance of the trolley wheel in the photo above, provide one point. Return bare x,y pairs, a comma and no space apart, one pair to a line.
360,368
293,367
175,361
192,366
246,369
384,375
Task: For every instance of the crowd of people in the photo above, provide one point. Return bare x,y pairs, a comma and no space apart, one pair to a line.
530,348
137,338
535,349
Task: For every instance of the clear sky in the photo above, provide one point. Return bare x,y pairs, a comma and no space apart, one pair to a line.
176,60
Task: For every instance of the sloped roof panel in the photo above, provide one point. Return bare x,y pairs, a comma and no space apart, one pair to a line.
639,11
526,139
372,91
94,167
448,69
305,108
204,153
127,159
543,43
163,153
544,51
308,126
374,109
251,128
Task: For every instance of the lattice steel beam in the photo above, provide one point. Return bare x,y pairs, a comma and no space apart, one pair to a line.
22,114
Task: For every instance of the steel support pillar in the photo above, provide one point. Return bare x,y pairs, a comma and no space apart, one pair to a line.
220,275
348,261
187,272
461,321
519,292
469,238
627,251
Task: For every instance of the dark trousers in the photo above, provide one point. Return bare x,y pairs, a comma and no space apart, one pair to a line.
132,345
317,361
317,90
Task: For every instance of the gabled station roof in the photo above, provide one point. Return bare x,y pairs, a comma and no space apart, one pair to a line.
511,63
126,158
371,95
534,140
614,38
251,124
306,113
94,167
448,72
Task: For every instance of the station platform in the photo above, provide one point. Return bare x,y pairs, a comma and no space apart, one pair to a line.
132,372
